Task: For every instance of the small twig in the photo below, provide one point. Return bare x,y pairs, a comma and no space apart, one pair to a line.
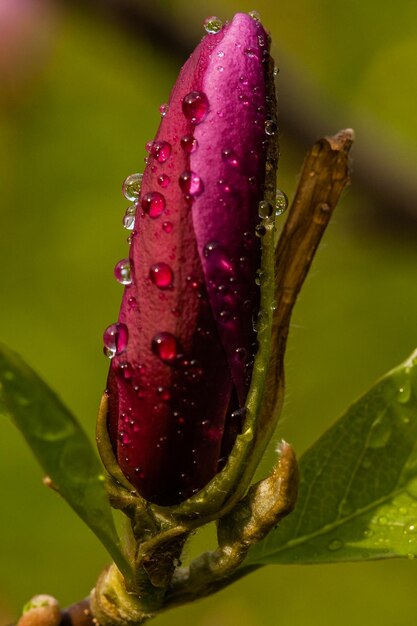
78,614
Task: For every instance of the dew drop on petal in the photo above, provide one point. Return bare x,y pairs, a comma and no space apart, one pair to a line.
229,156
250,52
270,127
191,183
265,209
165,346
164,180
161,275
132,302
195,106
153,203
122,272
281,203
163,109
189,144
164,393
131,187
129,217
210,248
125,370
161,150
255,16
115,339
167,227
212,25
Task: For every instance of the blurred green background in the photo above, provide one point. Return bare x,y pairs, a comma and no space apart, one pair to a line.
80,87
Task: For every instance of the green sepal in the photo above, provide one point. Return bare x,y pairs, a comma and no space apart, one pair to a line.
358,491
61,447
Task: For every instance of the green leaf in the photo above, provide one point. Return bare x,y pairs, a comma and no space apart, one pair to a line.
61,447
358,490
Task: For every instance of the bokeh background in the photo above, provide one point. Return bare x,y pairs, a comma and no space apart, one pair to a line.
80,88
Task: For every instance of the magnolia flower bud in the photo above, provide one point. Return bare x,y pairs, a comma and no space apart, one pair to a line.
183,347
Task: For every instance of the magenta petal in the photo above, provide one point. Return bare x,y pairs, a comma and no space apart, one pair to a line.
231,160
175,388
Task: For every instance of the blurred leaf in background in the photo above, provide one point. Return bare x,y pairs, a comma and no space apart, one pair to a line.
71,130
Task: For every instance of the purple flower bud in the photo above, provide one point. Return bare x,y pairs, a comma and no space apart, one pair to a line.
184,344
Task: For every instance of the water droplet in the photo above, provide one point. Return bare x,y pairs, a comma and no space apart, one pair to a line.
191,183
129,217
122,272
261,321
404,392
380,433
148,147
132,302
163,109
255,16
161,150
241,354
115,339
260,277
382,521
125,370
335,544
189,144
161,275
281,202
260,230
153,204
164,180
265,209
230,157
410,529
125,438
276,70
165,346
131,187
164,393
270,127
210,248
220,68
195,106
167,227
250,52
212,25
